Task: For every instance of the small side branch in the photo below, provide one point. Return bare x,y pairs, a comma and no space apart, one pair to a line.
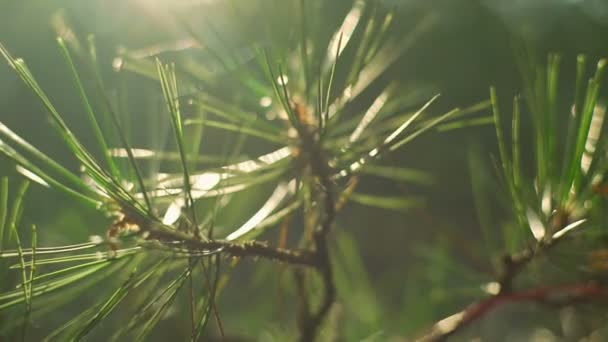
263,250
556,295
512,266
180,241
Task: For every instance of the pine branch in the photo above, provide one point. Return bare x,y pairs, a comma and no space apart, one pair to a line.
554,295
235,249
319,166
512,266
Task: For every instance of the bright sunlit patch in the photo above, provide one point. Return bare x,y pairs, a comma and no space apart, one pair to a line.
371,113
595,129
536,225
137,153
546,200
205,181
201,184
374,152
127,185
204,184
265,101
282,80
568,228
252,165
32,176
96,239
449,323
173,212
346,30
271,204
491,288
348,93
353,167
117,63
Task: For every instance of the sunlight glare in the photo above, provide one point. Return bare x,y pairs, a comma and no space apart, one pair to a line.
568,228
279,194
346,30
31,176
265,101
371,113
597,121
536,225
282,80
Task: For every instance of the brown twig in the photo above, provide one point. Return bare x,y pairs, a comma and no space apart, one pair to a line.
310,144
257,249
175,238
512,266
555,295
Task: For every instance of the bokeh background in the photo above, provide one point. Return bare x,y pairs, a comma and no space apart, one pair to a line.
469,47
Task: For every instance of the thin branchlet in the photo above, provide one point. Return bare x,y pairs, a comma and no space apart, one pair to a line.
512,265
310,145
562,295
